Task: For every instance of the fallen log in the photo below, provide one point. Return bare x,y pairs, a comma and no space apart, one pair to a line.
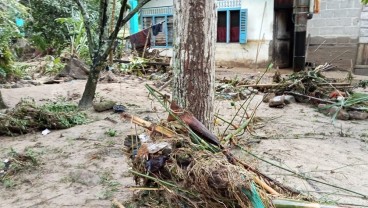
147,63
148,125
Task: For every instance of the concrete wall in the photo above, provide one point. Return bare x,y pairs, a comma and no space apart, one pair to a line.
363,33
337,27
338,21
361,66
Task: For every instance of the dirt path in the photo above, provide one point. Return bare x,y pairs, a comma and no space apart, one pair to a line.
84,167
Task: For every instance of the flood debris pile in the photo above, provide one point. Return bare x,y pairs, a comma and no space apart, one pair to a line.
180,163
336,99
26,117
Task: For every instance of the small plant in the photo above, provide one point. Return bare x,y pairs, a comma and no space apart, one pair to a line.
109,184
111,132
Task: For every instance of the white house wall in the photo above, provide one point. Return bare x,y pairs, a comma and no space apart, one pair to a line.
236,54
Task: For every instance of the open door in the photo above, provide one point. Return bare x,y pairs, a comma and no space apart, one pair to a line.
283,34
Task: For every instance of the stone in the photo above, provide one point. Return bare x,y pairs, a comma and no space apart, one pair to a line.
288,99
233,95
250,89
242,96
27,78
323,108
341,113
104,105
247,92
267,97
17,85
36,83
277,102
255,91
358,115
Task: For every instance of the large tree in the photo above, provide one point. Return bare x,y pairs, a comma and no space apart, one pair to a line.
101,46
194,57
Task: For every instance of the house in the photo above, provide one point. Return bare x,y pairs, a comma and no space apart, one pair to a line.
253,32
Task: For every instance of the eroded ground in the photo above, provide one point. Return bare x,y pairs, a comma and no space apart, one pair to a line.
85,167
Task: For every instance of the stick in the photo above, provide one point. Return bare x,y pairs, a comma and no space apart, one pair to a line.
338,56
303,176
280,85
319,46
115,202
260,33
148,63
320,100
145,45
148,125
265,186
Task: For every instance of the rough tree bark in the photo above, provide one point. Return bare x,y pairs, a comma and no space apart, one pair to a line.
99,49
194,57
2,104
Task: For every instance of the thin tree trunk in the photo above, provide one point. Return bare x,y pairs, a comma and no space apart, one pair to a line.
2,104
90,88
194,57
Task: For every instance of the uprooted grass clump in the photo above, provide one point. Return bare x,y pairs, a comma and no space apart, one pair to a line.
15,164
28,117
187,177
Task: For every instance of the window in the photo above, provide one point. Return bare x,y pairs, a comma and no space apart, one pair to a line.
164,38
232,26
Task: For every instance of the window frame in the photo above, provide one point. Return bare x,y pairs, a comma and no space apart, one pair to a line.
153,38
227,10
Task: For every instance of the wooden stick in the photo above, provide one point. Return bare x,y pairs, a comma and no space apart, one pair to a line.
265,186
148,63
279,85
148,125
115,202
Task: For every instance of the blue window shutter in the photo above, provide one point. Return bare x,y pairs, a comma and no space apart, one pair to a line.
243,25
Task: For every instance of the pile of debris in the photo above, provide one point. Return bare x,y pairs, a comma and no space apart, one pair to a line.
334,99
26,117
182,164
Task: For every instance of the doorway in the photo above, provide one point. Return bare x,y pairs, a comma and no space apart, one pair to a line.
283,34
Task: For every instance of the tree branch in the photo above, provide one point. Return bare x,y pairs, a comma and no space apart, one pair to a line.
87,26
120,23
103,23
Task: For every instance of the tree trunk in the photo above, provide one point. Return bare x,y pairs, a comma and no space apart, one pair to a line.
90,89
2,104
194,57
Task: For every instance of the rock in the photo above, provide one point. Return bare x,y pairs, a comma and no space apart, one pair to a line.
227,90
358,115
267,97
250,89
104,105
323,108
247,92
36,83
17,85
255,91
242,96
27,78
288,99
233,95
277,102
341,113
